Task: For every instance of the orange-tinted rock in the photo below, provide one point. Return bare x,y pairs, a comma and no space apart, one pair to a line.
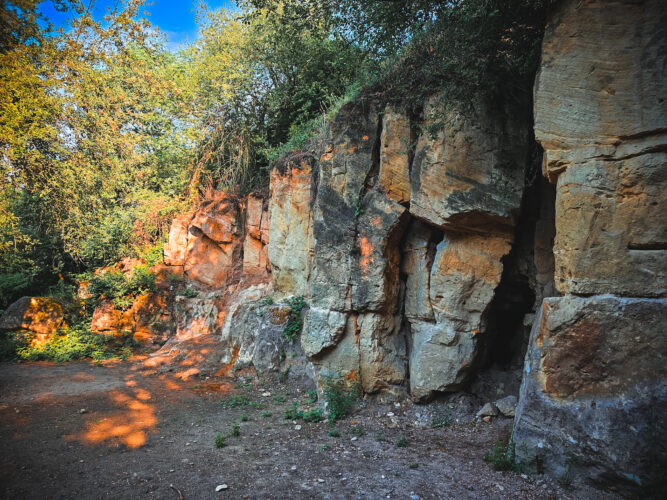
106,318
255,259
176,247
208,262
394,177
41,315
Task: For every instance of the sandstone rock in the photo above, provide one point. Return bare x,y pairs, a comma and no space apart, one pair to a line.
382,352
106,318
322,329
254,212
198,316
394,176
290,231
418,252
41,315
507,405
218,219
488,410
602,127
594,393
470,175
466,270
176,246
344,176
208,262
253,336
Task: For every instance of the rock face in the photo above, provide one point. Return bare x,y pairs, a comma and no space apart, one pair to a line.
38,314
602,127
469,174
290,232
594,395
253,337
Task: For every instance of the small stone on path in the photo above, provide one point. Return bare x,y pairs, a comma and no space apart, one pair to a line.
221,487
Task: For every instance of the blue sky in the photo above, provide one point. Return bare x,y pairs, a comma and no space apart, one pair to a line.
174,18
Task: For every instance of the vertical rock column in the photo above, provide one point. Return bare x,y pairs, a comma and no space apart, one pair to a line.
594,395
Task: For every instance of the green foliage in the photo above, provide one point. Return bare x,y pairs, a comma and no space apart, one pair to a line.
69,344
442,417
503,457
266,301
292,413
414,465
121,288
379,436
236,430
189,293
340,398
236,401
244,417
402,442
357,430
219,441
295,321
334,433
315,415
312,395
266,414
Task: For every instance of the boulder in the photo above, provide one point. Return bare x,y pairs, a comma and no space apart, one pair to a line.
593,400
507,405
600,115
322,329
469,173
290,231
41,315
488,410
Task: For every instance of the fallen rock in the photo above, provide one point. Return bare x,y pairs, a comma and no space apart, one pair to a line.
41,315
488,410
506,405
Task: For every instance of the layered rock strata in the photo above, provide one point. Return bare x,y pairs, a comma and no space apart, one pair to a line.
593,399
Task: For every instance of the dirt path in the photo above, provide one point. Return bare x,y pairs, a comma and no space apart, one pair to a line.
86,431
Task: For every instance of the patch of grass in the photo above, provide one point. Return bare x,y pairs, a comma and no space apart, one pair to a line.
294,322
380,437
312,395
334,433
442,417
292,413
402,442
244,417
340,398
357,430
503,457
189,293
219,441
279,399
414,465
236,401
236,430
266,414
313,415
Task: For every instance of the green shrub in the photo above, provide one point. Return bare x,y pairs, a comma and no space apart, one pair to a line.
402,442
236,430
334,433
503,457
189,293
357,430
220,441
340,398
121,288
292,413
236,401
313,415
442,417
295,322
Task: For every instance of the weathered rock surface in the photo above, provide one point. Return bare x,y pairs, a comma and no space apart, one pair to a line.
601,116
253,337
507,405
255,250
322,329
465,272
41,315
594,392
176,246
395,140
290,232
470,174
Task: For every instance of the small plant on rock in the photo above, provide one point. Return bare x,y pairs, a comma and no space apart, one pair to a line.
340,398
294,322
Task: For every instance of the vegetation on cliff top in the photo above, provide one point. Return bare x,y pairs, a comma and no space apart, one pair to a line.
106,134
